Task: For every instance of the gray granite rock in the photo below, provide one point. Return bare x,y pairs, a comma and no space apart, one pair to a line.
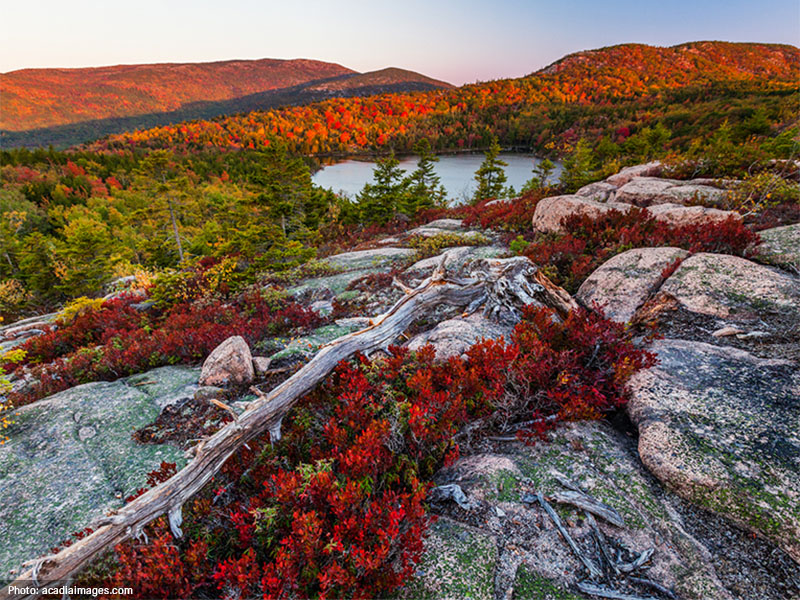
781,247
376,257
453,337
599,191
479,553
678,215
647,191
71,458
730,287
551,211
651,169
722,428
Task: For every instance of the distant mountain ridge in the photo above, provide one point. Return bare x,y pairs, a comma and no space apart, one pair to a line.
693,62
69,105
550,106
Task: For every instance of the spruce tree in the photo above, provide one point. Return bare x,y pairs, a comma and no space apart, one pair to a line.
490,175
424,187
380,201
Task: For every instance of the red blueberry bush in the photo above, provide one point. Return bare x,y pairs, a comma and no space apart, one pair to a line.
118,340
569,258
337,507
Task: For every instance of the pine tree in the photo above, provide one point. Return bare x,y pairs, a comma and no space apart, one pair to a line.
541,176
578,167
380,201
490,175
425,189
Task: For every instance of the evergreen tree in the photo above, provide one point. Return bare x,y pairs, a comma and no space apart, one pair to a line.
578,167
380,201
287,191
425,189
157,169
490,175
541,176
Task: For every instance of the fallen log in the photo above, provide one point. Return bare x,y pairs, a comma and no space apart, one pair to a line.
503,285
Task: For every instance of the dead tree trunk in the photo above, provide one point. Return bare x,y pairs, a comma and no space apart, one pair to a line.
495,283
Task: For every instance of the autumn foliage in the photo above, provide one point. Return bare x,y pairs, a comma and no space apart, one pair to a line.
120,340
527,111
336,507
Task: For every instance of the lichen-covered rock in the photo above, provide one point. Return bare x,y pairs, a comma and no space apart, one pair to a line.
651,169
531,556
71,458
647,191
720,427
459,562
441,225
551,211
623,283
781,247
301,349
679,216
599,191
230,363
730,287
453,337
376,257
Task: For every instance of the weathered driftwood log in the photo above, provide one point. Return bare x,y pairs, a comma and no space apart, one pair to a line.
505,283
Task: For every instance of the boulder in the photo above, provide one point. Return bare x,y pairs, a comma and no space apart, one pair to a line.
71,458
651,169
599,191
230,363
678,215
647,191
780,246
623,283
730,287
444,224
551,211
720,427
453,337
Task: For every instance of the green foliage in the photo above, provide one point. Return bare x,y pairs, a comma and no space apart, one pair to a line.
763,190
78,307
490,176
518,245
69,223
380,202
424,187
12,356
541,176
432,245
579,167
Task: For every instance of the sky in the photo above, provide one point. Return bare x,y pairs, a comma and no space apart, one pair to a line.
459,41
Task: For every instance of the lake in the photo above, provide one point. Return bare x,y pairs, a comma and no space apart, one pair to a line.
455,170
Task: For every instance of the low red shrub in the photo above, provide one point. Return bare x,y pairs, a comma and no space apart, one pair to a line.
336,508
569,258
117,340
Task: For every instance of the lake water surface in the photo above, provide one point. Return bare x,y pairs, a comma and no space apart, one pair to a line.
455,170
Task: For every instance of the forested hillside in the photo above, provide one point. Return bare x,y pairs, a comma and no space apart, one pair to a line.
612,92
68,106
